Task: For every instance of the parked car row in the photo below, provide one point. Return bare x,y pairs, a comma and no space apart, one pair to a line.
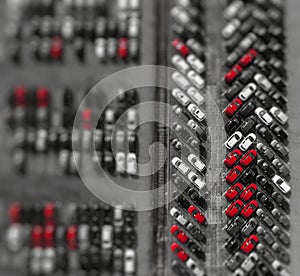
255,86
70,237
189,125
51,36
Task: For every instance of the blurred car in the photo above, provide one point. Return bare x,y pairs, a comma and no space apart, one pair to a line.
249,244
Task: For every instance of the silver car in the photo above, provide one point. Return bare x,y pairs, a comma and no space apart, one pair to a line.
263,82
195,79
247,92
196,63
281,184
231,27
279,115
250,262
181,97
264,116
181,80
195,95
247,142
180,64
197,163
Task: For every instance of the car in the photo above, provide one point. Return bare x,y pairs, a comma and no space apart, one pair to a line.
248,125
233,91
175,213
131,164
232,75
232,158
195,63
235,261
120,162
279,148
281,218
234,226
197,199
197,182
197,215
281,167
180,15
234,209
232,9
179,234
109,119
250,262
233,107
249,209
238,272
263,269
132,119
177,268
233,140
123,48
180,47
282,235
197,113
279,115
283,202
249,244
234,174
265,151
279,132
195,95
266,167
191,264
100,49
248,58
264,99
181,200
264,199
195,79
248,192
181,97
180,253
197,163
107,237
279,268
129,261
281,184
249,227
180,166
198,130
264,183
248,158
264,116
196,47
233,192
247,92
181,81
233,243
180,64
231,27
247,142
264,132
263,82
282,254
232,125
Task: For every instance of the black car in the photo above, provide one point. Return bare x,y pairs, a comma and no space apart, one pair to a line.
265,201
234,243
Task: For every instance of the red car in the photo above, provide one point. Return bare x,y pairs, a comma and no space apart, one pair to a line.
20,96
123,48
232,157
196,214
233,74
42,97
249,209
248,58
249,192
233,175
56,49
180,47
181,255
234,191
248,158
179,234
234,208
233,107
249,244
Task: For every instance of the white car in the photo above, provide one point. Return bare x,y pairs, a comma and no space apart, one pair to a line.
247,92
181,97
112,46
196,112
180,15
181,80
15,238
134,4
100,48
247,142
109,119
281,184
133,26
196,63
232,9
190,263
250,262
198,182
132,119
195,95
180,64
233,140
120,162
195,79
231,27
238,272
180,166
277,266
107,237
67,28
131,163
129,261
48,261
279,115
118,217
263,82
197,163
264,116
174,212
